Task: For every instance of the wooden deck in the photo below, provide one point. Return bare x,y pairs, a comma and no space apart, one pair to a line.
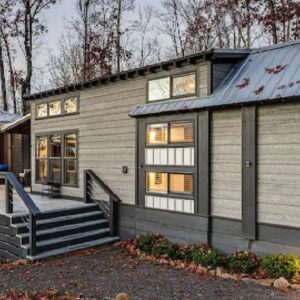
44,203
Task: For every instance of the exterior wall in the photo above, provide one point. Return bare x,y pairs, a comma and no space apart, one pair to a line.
106,134
279,164
226,171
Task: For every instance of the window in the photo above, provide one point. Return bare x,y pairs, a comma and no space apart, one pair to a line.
70,162
42,110
55,108
169,183
181,132
41,158
159,89
181,183
157,134
184,85
172,87
56,158
70,105
157,182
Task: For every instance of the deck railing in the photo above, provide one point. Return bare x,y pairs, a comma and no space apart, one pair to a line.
110,208
11,183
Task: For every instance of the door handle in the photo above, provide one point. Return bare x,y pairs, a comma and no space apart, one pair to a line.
248,163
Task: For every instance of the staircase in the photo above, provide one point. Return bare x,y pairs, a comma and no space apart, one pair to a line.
40,235
63,231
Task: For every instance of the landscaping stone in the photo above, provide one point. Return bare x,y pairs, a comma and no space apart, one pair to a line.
122,296
265,282
295,286
281,284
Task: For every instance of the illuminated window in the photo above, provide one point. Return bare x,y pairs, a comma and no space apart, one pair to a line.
55,108
157,134
181,183
157,182
181,132
54,164
42,110
70,105
184,85
159,89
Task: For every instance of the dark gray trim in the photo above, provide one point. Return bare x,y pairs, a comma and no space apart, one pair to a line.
140,178
249,214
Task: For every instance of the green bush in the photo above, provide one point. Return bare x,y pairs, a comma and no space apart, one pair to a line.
276,266
147,241
166,249
206,257
242,262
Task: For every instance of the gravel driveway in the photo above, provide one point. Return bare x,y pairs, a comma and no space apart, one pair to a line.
103,272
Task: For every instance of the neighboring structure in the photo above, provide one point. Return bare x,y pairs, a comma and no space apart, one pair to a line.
210,152
14,141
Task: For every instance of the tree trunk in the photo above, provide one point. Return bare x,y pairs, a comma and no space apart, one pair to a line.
2,78
86,63
273,21
119,35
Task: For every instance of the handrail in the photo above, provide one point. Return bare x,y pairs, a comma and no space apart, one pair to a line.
12,182
105,187
111,210
22,193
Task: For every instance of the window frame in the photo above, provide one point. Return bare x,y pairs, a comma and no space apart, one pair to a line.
170,144
171,86
62,106
62,158
169,194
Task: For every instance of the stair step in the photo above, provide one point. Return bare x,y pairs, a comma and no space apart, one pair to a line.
65,230
61,221
69,240
81,246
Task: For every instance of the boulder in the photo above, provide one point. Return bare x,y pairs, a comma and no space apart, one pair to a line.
265,282
281,284
122,296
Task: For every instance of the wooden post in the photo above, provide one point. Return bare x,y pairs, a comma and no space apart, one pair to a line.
32,234
8,197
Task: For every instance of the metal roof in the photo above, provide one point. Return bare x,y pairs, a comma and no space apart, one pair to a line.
20,125
224,54
6,117
268,74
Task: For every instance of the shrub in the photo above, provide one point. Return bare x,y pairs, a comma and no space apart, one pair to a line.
166,249
242,262
206,257
276,266
147,241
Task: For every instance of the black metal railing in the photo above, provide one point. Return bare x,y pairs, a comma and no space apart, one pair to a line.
110,207
11,183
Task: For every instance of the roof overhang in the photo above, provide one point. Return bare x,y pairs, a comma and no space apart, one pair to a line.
20,126
214,54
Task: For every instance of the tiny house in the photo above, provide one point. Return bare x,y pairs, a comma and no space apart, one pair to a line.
204,148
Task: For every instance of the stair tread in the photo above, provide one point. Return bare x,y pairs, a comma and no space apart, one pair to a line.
65,227
73,248
68,237
68,217
16,215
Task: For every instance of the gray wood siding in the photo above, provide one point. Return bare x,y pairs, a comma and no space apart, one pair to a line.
279,164
226,158
106,134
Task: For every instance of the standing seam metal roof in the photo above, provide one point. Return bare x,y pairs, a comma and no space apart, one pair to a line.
6,117
267,74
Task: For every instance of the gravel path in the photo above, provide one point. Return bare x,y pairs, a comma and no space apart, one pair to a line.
103,272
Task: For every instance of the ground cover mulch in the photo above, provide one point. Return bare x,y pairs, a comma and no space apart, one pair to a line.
101,273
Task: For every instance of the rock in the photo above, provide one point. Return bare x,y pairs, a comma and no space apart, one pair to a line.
212,272
227,276
265,282
219,272
252,280
281,284
295,286
122,296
